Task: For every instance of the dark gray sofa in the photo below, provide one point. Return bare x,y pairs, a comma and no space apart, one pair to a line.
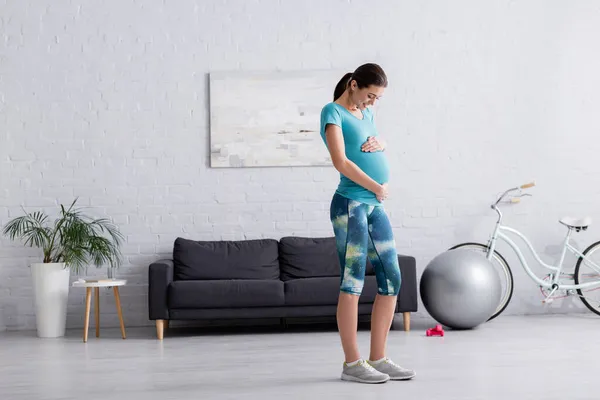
260,278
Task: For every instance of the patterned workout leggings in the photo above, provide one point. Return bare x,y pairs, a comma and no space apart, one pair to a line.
362,231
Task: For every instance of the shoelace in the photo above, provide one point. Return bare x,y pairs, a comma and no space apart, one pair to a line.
393,364
367,366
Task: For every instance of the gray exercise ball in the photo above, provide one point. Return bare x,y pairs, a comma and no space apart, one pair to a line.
460,288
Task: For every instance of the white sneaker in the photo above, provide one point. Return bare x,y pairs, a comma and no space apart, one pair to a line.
395,372
363,372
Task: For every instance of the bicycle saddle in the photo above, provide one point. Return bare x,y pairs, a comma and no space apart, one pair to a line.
577,223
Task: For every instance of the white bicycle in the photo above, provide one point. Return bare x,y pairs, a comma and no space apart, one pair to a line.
584,282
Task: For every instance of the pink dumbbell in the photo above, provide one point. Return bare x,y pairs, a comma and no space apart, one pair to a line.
437,331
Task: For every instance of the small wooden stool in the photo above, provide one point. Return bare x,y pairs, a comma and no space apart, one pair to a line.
97,284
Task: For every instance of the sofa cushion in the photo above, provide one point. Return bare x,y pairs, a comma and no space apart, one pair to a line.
305,257
323,291
226,293
241,259
301,257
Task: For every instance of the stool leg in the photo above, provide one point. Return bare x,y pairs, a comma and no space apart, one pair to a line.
86,321
97,296
118,301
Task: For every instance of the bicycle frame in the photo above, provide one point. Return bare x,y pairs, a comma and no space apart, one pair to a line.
499,233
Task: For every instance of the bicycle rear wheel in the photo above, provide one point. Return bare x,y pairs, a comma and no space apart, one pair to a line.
503,270
585,272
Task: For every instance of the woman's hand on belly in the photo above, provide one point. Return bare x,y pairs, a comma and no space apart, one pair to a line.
382,193
373,144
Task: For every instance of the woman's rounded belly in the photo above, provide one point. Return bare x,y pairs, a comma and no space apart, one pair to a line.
375,165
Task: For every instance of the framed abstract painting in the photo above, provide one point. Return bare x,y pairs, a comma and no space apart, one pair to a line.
269,119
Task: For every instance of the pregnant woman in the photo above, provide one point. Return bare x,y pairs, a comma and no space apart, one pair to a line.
360,223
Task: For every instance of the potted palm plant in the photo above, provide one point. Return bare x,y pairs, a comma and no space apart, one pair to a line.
70,243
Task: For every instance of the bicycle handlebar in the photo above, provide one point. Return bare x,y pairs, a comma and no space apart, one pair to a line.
514,199
527,185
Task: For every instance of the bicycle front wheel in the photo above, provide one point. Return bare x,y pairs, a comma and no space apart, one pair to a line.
504,274
585,271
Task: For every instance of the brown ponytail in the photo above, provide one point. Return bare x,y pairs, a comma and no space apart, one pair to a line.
340,88
365,76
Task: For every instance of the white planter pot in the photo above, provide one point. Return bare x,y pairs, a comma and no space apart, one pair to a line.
50,292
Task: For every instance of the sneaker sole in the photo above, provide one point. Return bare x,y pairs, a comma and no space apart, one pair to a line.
403,378
355,379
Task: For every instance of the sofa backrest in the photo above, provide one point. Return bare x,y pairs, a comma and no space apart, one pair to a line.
240,259
303,257
310,257
307,257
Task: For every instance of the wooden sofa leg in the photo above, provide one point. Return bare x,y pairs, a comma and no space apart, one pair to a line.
160,327
406,317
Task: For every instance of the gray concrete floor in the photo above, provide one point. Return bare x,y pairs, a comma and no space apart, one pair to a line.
524,357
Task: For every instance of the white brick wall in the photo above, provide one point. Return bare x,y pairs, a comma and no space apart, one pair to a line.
107,101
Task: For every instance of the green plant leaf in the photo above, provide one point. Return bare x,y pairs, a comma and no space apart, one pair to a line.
74,238
30,229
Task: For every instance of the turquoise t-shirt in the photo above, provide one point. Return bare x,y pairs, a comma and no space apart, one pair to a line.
356,132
